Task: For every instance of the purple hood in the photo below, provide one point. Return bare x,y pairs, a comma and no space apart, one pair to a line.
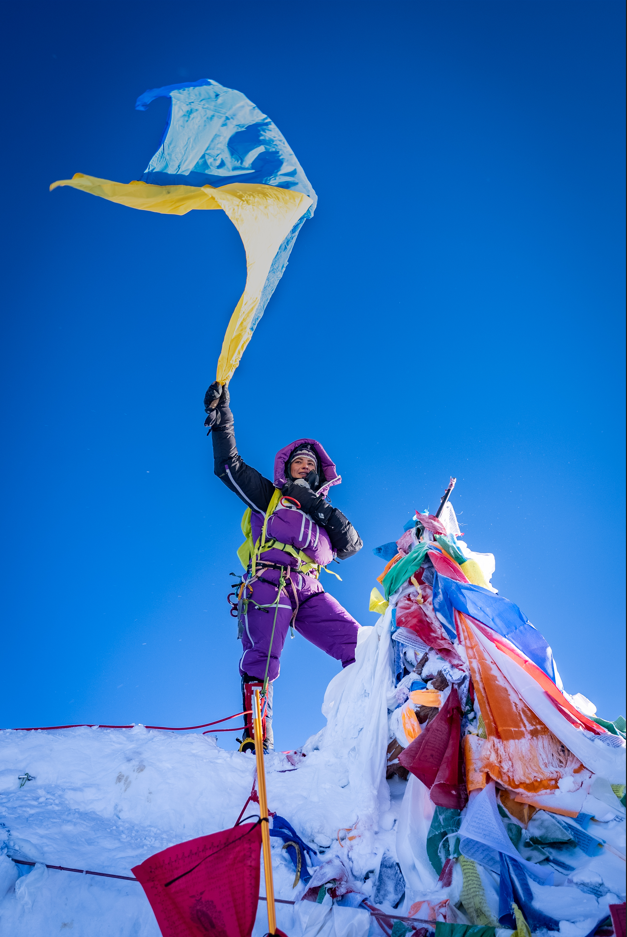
329,475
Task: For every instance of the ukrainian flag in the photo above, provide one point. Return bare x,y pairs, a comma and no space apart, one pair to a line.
220,152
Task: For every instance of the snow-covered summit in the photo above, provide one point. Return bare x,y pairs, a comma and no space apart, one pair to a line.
105,800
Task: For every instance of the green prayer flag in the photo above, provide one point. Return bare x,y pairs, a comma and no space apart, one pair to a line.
444,822
400,929
463,930
404,569
453,551
616,728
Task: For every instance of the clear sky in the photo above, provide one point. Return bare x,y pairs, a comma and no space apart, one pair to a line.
455,307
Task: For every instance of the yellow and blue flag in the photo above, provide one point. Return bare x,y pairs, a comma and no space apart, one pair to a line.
219,151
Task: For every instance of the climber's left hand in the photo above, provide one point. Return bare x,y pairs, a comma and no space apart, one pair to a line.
310,502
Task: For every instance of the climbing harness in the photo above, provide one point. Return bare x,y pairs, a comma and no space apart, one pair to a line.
237,588
250,553
241,595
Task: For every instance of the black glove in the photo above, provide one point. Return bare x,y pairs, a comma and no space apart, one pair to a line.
313,480
310,502
217,408
214,392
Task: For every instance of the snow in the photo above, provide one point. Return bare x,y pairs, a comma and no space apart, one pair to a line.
571,904
105,800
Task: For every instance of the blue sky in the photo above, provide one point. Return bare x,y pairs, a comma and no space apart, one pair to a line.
455,307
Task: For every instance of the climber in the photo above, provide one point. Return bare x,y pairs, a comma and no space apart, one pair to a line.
292,532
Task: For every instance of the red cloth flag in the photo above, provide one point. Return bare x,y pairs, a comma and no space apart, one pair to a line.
208,885
447,567
618,918
427,626
435,756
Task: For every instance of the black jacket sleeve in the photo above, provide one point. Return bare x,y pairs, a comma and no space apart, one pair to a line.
344,538
247,483
256,491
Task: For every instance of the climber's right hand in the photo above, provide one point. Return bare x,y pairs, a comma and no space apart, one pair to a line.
217,401
212,397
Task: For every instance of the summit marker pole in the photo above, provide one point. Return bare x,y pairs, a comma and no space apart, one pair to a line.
446,496
263,812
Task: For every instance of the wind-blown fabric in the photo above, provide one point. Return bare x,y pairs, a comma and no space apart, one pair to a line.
434,757
296,848
427,627
514,887
220,152
207,885
535,767
499,614
580,736
527,750
404,569
216,135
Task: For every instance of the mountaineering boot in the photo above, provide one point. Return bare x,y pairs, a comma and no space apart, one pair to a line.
249,685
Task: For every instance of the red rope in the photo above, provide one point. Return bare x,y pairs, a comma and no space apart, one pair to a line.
236,729
217,722
94,725
80,725
251,797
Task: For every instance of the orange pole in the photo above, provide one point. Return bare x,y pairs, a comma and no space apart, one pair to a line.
263,812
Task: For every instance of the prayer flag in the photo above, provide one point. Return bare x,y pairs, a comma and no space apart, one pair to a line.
208,885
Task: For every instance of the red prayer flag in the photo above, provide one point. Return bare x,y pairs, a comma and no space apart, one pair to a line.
446,567
435,756
428,628
208,885
618,918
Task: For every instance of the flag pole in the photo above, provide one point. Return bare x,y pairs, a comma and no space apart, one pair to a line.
446,496
263,812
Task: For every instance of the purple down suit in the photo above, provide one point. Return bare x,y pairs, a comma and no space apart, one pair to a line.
302,602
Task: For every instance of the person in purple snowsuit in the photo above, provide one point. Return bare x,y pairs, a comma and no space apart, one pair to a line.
302,534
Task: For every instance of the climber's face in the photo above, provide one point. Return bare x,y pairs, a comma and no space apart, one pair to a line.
302,466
